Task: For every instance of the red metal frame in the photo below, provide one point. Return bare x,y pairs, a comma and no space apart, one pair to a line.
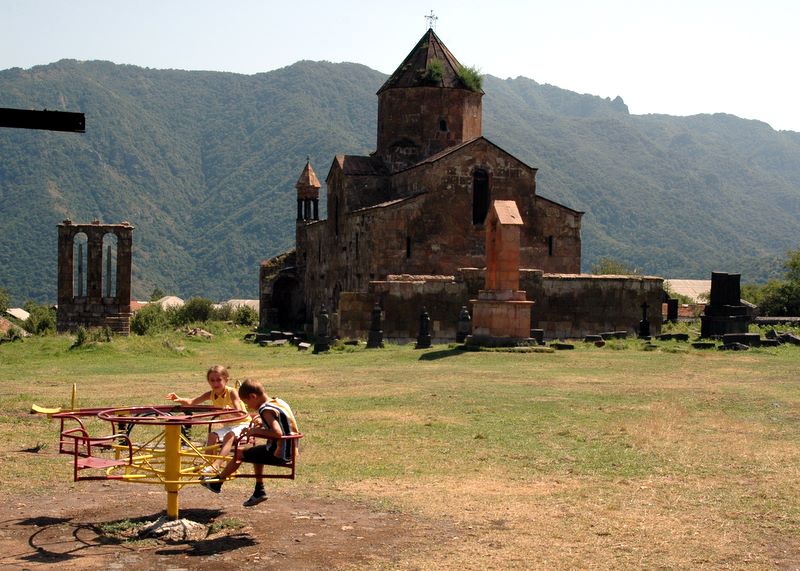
82,452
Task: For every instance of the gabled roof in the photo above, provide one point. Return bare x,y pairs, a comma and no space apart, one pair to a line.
19,313
413,71
506,212
356,165
456,148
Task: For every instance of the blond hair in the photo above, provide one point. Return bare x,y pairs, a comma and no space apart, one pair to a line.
220,370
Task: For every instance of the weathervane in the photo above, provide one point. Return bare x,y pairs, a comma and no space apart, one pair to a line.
431,20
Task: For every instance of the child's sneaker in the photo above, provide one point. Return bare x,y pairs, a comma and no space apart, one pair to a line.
255,499
215,487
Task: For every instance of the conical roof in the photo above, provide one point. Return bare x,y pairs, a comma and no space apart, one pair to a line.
308,178
414,71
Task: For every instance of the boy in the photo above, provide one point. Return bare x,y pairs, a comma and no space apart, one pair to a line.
277,419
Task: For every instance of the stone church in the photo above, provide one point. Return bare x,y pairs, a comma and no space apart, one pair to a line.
413,211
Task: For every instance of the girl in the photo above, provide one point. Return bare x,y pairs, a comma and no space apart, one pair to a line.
221,396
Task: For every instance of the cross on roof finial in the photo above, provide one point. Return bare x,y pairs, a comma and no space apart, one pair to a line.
431,20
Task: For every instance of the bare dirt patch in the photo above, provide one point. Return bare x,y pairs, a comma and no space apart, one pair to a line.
286,532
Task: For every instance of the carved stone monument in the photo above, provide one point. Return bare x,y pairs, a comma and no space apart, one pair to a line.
725,313
424,336
501,316
375,337
322,336
94,290
464,326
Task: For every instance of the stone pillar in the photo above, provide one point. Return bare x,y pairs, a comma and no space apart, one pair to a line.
501,316
424,336
66,267
725,314
322,336
94,264
124,235
375,336
464,326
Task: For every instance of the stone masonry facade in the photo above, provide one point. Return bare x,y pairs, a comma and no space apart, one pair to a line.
416,206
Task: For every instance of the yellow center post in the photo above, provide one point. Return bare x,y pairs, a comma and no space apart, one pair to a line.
172,467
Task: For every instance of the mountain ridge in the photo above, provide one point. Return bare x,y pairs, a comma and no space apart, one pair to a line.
203,164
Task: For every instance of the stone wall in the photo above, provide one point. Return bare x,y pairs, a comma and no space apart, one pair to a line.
566,306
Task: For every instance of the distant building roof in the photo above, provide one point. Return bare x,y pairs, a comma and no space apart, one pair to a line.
169,301
19,313
251,303
413,72
690,288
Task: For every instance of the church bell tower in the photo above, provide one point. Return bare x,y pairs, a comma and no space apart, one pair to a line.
426,106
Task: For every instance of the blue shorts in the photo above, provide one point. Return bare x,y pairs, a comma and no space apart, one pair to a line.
263,454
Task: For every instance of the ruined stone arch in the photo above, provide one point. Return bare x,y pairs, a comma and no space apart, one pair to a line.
83,289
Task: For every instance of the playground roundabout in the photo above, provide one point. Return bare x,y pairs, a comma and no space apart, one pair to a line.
102,523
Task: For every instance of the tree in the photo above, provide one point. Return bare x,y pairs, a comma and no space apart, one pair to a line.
42,320
157,294
781,297
607,266
4,300
792,265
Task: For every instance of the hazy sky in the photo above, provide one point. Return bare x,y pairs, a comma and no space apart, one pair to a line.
678,57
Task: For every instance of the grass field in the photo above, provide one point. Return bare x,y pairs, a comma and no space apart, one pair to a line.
595,458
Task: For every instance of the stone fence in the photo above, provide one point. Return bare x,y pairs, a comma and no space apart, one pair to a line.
566,306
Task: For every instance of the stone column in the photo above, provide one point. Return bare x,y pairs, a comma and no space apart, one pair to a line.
124,267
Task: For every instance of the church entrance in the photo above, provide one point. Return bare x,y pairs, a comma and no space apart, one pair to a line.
287,300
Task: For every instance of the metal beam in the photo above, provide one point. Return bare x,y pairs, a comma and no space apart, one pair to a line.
48,120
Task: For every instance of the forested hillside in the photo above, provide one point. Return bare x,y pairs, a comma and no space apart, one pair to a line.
203,165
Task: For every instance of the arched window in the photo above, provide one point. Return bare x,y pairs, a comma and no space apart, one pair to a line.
443,125
480,196
80,265
109,284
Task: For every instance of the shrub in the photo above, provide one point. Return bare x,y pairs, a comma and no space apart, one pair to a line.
610,267
196,310
245,315
434,72
13,334
149,320
223,313
471,77
81,336
42,320
4,300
